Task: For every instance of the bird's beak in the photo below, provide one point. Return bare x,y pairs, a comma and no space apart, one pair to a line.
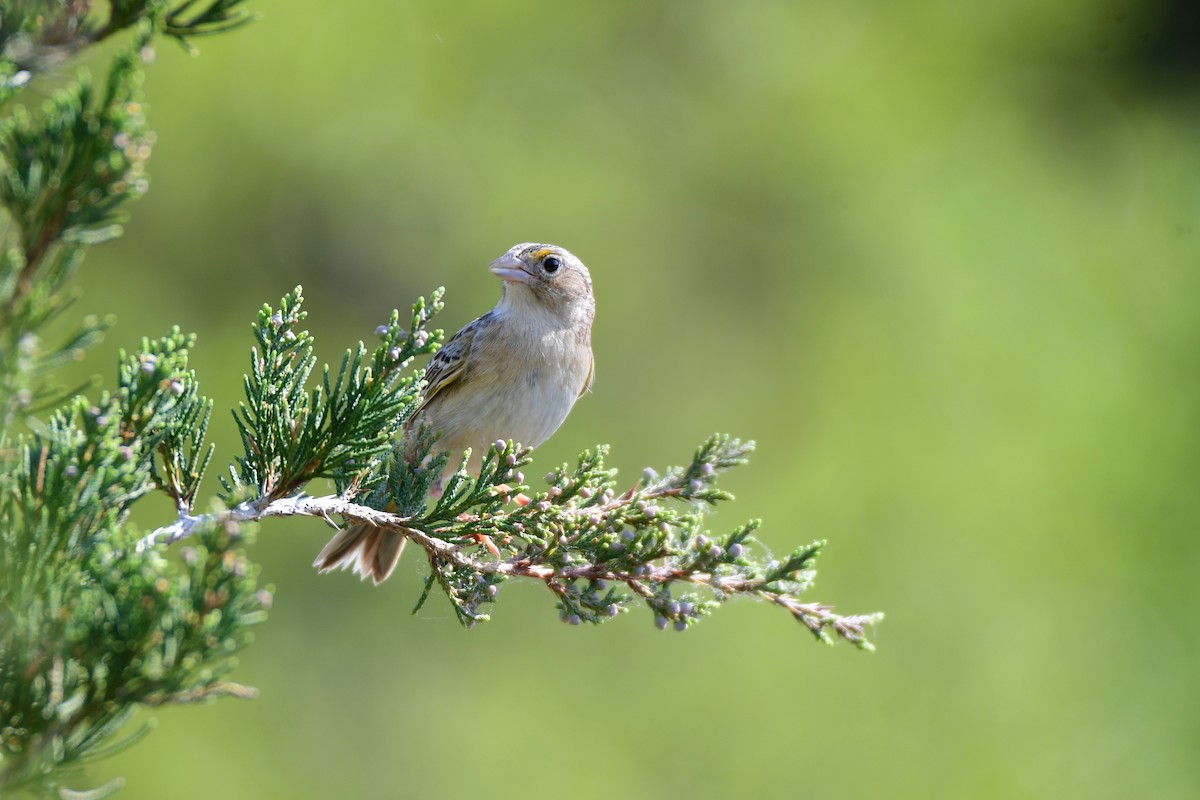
510,268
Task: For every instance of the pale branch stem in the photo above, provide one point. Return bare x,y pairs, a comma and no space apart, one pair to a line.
222,689
814,615
303,505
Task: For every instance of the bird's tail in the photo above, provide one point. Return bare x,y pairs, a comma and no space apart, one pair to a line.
368,550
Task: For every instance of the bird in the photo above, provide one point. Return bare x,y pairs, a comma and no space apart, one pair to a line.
513,373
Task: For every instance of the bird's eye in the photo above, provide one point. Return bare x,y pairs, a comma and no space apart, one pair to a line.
551,264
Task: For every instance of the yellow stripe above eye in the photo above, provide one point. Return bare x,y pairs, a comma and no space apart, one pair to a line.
541,252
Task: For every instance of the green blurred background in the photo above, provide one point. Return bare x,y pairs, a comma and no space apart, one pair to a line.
939,259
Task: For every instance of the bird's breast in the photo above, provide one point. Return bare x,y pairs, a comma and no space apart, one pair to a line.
520,385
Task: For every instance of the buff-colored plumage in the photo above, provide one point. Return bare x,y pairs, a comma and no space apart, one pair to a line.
513,373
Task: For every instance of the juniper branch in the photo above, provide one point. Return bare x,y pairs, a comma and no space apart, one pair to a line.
578,532
43,34
89,627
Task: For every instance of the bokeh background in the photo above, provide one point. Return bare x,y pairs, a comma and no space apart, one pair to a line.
939,259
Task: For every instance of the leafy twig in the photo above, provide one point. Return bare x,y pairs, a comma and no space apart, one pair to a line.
580,540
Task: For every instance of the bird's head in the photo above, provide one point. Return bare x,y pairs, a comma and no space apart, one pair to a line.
551,275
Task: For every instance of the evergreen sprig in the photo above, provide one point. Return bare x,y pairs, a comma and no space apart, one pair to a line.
67,170
40,35
293,434
599,551
191,19
90,627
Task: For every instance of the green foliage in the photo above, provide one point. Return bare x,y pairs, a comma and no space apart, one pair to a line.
89,627
186,20
67,171
338,429
598,551
41,34
71,166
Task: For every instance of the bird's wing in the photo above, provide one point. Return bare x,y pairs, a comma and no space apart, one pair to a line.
591,376
450,363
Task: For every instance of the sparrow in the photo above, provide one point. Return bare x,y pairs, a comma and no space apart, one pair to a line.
514,373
